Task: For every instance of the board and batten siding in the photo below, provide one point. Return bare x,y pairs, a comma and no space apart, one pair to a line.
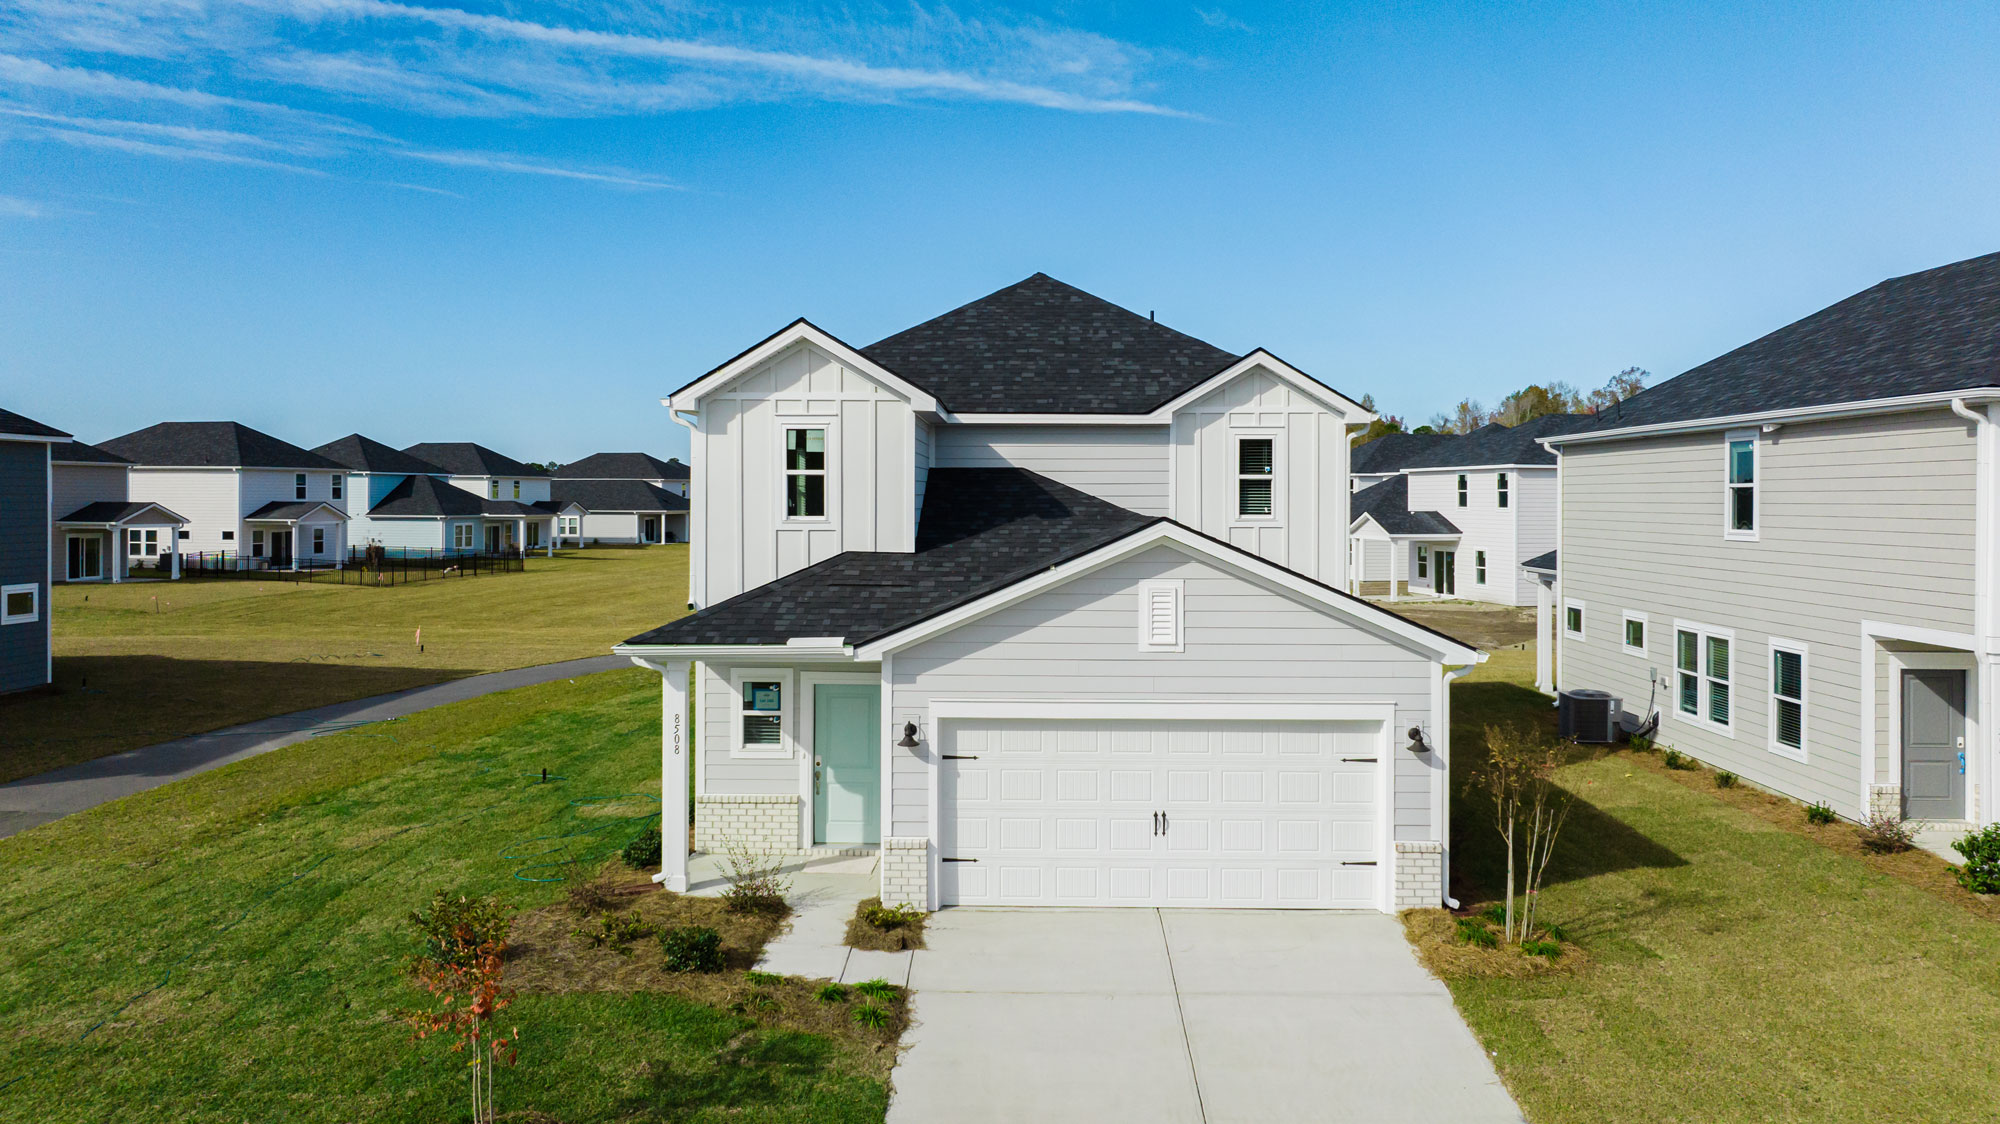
1861,519
1309,532
205,497
742,532
1121,464
1079,641
24,559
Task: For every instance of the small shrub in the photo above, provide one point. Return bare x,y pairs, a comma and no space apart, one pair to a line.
1550,950
756,882
454,929
1885,833
593,896
871,1016
1820,814
1981,872
1496,913
1675,759
763,979
1556,933
616,931
880,990
887,917
1641,742
1473,931
831,993
643,852
1725,779
692,948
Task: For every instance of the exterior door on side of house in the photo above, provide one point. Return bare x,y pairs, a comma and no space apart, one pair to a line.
651,533
847,763
86,558
493,538
1445,582
1934,744
281,548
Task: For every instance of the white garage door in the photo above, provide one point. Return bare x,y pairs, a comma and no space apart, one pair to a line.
1182,812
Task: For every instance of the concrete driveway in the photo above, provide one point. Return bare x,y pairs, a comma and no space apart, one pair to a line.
1184,1015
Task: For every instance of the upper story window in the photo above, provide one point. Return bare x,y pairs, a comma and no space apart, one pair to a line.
1256,477
1464,486
299,486
339,485
1502,492
1740,492
492,489
805,473
517,489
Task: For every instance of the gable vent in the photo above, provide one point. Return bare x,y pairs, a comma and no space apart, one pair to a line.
1160,617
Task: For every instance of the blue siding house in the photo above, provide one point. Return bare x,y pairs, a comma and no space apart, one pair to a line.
25,522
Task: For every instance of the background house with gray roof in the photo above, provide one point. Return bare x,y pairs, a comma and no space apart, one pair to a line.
101,533
623,498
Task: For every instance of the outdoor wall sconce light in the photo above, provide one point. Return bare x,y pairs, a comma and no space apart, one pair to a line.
1417,743
909,736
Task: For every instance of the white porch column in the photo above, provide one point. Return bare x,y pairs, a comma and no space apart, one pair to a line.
551,544
1544,636
118,548
521,536
176,533
673,773
296,545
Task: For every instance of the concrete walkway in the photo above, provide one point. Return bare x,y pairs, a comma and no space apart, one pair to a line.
36,800
1184,1017
824,894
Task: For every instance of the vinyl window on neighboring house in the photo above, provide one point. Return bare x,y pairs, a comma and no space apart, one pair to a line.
1635,633
227,536
1740,492
1788,698
338,485
1464,486
1703,670
517,489
299,486
319,540
20,604
492,489
1160,617
1502,492
1479,567
461,536
761,711
1573,617
1424,562
805,473
256,544
1256,477
142,544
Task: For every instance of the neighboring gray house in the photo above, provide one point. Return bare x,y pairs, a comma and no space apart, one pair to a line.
26,651
1042,599
623,498
101,533
1787,553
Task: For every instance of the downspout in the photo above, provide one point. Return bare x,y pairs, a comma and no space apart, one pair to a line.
1982,602
1444,809
697,510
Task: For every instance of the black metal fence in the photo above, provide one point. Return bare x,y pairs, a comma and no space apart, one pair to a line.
364,565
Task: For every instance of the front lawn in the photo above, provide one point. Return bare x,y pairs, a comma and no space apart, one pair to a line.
230,947
1735,968
146,662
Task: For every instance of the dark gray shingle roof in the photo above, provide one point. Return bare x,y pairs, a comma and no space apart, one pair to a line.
1389,504
76,452
11,422
289,509
116,511
427,496
1499,444
616,495
623,466
1924,333
1391,451
365,454
467,458
1543,562
212,445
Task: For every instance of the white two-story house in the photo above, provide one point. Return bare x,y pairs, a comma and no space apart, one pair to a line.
518,513
1457,518
622,498
247,499
1042,600
1785,556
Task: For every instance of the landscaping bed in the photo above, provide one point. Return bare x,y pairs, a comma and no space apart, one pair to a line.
881,929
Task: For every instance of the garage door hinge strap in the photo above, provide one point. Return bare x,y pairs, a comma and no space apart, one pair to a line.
961,757
959,860
1370,862
1369,760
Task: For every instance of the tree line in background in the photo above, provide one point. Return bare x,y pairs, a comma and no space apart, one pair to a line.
1526,404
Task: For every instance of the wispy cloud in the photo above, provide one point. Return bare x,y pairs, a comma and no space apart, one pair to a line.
500,163
15,208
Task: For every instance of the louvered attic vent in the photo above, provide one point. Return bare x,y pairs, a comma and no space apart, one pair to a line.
1160,617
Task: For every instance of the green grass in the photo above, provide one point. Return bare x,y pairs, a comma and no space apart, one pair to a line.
229,948
1738,969
149,662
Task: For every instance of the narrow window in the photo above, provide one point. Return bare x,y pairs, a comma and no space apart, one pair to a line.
1255,475
1463,487
20,604
299,486
1479,568
1717,674
132,543
152,543
517,489
339,485
1160,617
1742,486
763,712
256,544
493,489
319,540
1502,492
1688,682
1423,561
1635,633
805,473
1788,698
1573,617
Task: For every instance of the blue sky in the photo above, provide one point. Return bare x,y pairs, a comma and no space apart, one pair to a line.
523,223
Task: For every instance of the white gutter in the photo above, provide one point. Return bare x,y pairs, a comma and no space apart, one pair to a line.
1982,523
834,650
1812,413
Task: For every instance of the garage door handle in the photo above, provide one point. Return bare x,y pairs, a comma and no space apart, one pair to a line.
961,757
1370,862
1369,760
958,860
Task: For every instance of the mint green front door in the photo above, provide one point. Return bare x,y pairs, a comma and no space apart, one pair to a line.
847,763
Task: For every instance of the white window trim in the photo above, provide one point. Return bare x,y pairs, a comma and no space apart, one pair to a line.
517,489
1779,644
831,427
787,734
34,613
1277,439
1503,492
1176,590
337,486
301,487
319,540
1700,717
1756,485
1583,618
493,489
1424,562
1462,489
1479,568
1645,633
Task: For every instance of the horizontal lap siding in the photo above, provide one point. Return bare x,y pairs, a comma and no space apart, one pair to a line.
728,775
1121,464
207,499
24,559
74,486
1865,519
1079,641
617,526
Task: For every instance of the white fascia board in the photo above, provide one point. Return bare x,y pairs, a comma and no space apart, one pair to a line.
775,653
1832,412
1356,525
1236,709
1055,419
134,519
314,510
1451,468
1353,412
40,439
1396,628
689,397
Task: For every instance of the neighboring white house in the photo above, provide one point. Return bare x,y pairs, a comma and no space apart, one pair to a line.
101,533
1387,455
249,499
1043,599
405,504
623,498
1459,517
525,517
1787,553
